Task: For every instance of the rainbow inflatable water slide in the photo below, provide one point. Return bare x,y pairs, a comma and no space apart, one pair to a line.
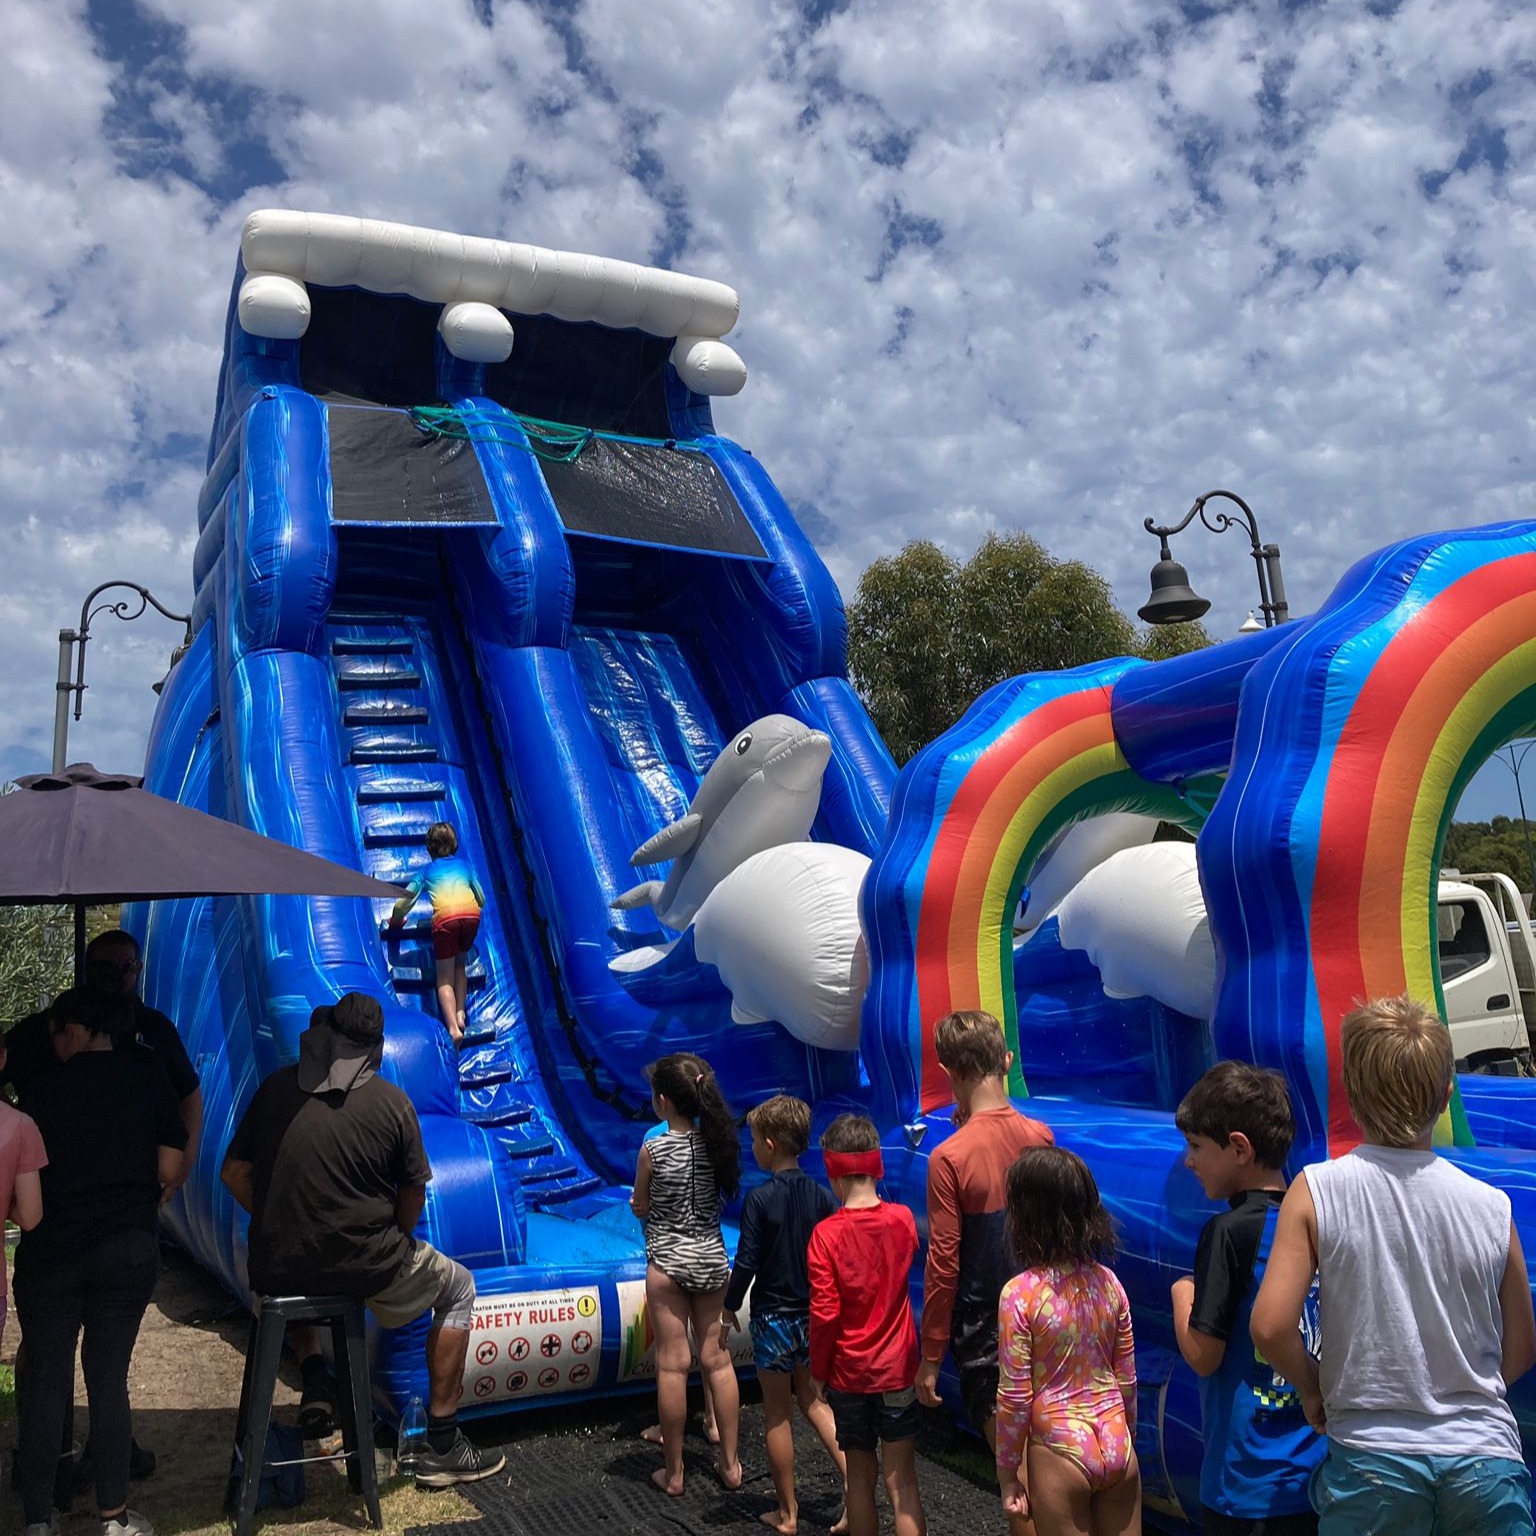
472,549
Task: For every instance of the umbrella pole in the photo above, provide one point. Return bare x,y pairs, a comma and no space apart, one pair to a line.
79,940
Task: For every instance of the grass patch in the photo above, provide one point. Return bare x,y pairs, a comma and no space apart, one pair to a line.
7,1394
330,1508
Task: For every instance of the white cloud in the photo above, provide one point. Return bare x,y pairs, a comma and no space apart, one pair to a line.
1050,267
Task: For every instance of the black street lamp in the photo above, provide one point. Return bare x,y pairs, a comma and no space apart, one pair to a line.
70,638
1515,764
1174,601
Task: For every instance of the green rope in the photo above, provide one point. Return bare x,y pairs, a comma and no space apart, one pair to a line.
556,441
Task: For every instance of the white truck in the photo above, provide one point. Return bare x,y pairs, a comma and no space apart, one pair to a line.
1487,972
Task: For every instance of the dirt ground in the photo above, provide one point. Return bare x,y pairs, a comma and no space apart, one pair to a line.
185,1386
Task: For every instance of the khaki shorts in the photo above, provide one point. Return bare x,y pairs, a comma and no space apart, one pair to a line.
428,1281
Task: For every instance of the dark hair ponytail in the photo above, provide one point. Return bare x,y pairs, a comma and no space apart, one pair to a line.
690,1084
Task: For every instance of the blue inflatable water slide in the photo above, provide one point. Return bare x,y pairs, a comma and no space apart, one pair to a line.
542,634
471,550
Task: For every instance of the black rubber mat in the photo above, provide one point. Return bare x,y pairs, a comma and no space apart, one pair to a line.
585,1472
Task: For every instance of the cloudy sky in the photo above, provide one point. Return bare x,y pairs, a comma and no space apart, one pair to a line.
1049,265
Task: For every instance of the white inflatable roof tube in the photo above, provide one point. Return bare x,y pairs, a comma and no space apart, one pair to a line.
437,266
475,332
707,366
273,306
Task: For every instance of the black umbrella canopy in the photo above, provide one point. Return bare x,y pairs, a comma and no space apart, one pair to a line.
89,838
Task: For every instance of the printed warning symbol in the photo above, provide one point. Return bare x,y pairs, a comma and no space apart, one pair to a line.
518,1349
517,1381
580,1373
484,1386
548,1377
586,1305
486,1351
581,1342
550,1345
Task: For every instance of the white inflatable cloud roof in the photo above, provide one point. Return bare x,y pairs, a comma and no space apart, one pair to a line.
476,279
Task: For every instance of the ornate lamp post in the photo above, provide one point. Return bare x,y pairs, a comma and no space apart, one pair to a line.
69,639
1174,601
1515,762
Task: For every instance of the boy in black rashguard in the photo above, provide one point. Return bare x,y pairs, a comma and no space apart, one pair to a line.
776,1222
1259,1449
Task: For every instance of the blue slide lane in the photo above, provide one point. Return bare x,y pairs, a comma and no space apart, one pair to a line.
557,698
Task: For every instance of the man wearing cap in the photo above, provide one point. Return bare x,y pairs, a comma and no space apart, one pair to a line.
328,1160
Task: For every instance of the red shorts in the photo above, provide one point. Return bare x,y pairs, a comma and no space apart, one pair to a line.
453,936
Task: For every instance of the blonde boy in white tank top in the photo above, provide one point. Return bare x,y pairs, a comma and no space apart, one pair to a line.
1426,1306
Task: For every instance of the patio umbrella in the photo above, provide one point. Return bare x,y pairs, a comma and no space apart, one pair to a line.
87,838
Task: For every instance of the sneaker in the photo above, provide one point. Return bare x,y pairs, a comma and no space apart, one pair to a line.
129,1523
48,1527
462,1462
317,1408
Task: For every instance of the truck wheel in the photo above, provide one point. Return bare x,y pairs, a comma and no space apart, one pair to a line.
1500,1063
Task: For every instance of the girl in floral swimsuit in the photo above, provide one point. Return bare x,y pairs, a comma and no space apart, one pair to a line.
1066,1402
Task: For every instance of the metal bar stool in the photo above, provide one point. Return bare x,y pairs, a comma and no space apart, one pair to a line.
270,1317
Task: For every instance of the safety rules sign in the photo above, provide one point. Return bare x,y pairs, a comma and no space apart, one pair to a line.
533,1343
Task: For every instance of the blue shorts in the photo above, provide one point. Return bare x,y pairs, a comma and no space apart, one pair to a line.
1361,1493
781,1341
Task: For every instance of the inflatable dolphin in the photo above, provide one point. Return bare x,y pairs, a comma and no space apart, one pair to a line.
1140,917
764,789
783,931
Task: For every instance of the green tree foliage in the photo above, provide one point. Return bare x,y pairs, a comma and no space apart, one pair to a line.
1489,847
928,634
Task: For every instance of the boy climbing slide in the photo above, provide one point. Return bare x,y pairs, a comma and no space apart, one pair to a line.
457,901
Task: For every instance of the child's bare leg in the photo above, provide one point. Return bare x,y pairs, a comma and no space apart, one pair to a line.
818,1414
652,1433
1117,1509
460,989
669,1306
447,998
1059,1497
716,1368
779,1432
863,1474
900,1458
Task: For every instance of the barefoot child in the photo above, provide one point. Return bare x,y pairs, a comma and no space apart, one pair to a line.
863,1341
1066,1400
776,1224
682,1179
1259,1450
969,1260
457,901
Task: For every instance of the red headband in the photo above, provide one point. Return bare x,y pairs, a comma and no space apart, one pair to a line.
855,1165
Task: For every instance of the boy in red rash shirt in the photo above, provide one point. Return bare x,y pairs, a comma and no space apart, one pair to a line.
863,1342
969,1259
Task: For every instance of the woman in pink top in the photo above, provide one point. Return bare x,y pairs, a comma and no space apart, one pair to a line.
1066,1399
21,1191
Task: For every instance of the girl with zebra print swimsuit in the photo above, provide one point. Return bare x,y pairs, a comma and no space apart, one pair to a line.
682,1179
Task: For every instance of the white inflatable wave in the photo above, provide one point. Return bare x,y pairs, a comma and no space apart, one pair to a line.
1140,917
475,279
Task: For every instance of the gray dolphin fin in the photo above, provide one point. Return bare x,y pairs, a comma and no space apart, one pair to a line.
635,960
671,842
740,1015
646,894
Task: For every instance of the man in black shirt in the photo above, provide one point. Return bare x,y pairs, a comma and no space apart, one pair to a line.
113,965
328,1160
114,1139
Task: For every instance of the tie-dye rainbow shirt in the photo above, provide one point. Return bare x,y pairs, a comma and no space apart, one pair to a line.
451,887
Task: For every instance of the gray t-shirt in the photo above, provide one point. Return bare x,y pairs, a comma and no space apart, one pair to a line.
1410,1255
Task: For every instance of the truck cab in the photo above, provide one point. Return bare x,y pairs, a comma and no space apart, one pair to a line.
1487,959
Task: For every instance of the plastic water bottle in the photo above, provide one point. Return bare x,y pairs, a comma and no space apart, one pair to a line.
413,1438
